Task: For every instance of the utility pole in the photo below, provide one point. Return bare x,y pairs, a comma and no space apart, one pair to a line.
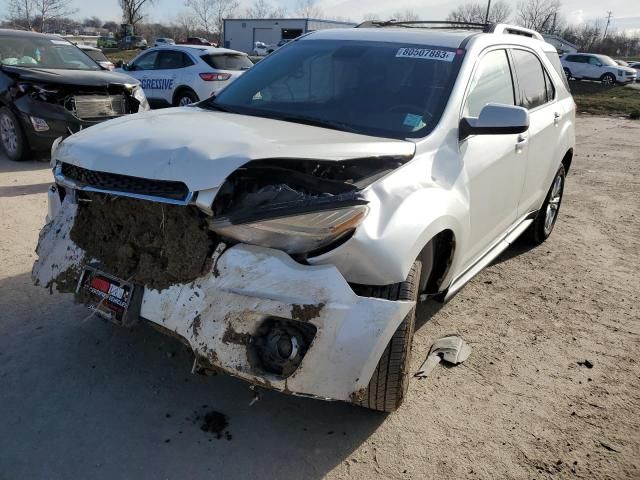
609,15
486,17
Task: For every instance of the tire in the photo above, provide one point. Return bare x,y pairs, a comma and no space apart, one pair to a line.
567,73
185,97
390,380
543,224
12,136
608,79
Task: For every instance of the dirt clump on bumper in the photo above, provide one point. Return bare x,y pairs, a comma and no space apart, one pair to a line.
149,243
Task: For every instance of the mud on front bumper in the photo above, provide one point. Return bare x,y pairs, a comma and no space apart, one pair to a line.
220,313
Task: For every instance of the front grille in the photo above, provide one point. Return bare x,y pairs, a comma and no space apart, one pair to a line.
92,107
122,183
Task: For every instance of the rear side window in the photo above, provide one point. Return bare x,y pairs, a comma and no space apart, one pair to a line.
170,60
574,58
531,79
557,65
228,62
492,83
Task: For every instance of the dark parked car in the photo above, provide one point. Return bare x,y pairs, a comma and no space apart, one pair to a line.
198,41
49,88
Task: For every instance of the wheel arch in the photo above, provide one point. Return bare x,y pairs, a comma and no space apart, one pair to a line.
567,159
181,89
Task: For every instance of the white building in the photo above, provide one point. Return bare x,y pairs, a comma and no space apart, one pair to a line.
242,34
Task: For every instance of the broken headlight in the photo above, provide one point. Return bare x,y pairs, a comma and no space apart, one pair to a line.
296,233
138,94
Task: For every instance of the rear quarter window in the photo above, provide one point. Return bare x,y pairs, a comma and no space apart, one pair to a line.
228,62
555,62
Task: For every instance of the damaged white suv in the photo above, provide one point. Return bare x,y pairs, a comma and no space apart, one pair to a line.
286,229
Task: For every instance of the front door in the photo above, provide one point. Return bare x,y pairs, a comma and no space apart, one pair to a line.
494,165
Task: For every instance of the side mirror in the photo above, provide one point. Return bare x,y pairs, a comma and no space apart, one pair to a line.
495,119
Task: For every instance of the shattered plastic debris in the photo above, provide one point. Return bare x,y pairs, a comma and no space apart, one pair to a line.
451,349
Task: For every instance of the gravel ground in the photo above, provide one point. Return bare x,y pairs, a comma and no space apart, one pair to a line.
84,399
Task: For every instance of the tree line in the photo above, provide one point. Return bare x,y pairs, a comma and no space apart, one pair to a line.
205,18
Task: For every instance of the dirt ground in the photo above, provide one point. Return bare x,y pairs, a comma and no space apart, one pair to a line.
84,399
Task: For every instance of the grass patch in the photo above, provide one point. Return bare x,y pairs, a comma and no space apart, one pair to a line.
594,98
116,55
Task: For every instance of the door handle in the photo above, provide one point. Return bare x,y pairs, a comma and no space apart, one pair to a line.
556,118
521,142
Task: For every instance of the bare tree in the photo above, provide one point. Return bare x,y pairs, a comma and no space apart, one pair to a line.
211,13
21,13
132,10
263,9
34,14
186,23
405,16
476,13
539,15
308,9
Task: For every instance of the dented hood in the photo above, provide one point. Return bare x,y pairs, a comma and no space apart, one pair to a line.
201,148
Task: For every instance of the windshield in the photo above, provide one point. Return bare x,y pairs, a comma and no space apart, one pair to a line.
607,61
39,52
374,88
228,62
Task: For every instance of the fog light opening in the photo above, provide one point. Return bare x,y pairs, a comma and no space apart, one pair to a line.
280,345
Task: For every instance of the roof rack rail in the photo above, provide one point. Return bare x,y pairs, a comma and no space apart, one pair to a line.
516,30
436,24
497,28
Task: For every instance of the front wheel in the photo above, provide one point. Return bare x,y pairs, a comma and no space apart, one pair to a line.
546,218
608,79
390,380
11,136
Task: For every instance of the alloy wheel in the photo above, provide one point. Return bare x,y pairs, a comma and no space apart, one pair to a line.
8,134
553,205
184,101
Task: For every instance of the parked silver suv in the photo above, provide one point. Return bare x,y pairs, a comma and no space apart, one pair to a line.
589,66
286,228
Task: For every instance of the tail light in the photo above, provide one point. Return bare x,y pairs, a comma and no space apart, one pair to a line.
212,77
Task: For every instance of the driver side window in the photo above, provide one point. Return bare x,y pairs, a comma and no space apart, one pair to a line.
145,62
492,83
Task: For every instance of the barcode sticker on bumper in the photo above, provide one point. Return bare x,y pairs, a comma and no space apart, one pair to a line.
426,54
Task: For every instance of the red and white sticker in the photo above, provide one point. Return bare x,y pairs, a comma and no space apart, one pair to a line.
426,54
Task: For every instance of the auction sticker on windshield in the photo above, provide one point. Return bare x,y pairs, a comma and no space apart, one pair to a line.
426,54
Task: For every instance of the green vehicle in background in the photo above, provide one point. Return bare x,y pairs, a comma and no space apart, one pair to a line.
107,42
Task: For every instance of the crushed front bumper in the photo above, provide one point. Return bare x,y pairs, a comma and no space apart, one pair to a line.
219,313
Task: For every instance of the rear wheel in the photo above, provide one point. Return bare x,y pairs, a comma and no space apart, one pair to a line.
608,79
567,73
543,225
11,136
185,97
390,381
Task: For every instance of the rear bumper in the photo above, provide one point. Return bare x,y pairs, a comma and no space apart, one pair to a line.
220,313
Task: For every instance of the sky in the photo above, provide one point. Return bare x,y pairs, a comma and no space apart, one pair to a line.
626,13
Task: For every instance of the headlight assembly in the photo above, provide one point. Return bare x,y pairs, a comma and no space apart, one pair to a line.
138,94
297,233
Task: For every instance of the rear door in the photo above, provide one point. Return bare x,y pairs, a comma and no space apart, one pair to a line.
576,64
169,73
494,164
537,93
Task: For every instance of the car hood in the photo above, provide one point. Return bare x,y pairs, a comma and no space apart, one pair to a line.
202,148
94,78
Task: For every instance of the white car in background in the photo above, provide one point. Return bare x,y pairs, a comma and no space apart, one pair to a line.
163,42
591,66
179,75
97,56
261,49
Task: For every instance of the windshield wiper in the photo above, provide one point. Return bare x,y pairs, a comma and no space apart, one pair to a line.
212,105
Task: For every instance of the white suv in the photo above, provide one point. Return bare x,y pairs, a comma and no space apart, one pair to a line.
286,229
590,66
